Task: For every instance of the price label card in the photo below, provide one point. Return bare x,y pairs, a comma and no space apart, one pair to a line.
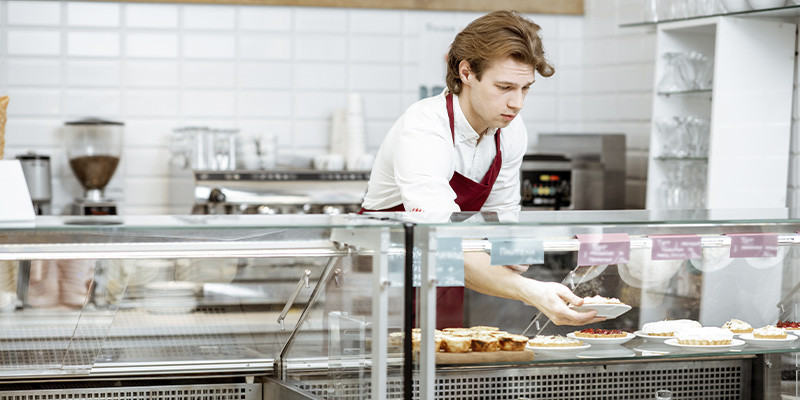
753,245
517,251
604,248
449,262
676,247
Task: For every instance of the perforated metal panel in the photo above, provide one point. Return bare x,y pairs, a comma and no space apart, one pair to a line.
170,392
695,380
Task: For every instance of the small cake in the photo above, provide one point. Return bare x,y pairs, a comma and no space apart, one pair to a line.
707,336
396,339
485,343
484,329
554,341
789,325
511,342
600,333
769,332
738,326
669,327
601,300
456,344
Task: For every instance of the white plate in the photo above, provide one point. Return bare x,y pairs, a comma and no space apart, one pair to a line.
750,339
553,349
604,310
617,351
603,341
652,338
693,347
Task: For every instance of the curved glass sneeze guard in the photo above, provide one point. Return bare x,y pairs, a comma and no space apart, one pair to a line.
182,294
790,11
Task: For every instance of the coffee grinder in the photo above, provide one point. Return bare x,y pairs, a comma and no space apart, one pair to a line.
94,147
36,168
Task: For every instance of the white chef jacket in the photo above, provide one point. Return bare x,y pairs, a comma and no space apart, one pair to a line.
417,159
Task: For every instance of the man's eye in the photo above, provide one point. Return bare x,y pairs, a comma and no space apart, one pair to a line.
504,87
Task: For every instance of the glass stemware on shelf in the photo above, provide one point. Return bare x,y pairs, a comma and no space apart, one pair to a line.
686,72
683,136
684,184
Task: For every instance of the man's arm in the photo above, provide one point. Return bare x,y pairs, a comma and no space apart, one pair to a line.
551,298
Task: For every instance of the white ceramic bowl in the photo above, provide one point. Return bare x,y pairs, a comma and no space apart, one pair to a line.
735,5
759,4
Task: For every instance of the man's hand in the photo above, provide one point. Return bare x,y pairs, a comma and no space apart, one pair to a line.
551,298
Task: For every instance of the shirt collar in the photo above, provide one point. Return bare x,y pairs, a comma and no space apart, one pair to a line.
463,129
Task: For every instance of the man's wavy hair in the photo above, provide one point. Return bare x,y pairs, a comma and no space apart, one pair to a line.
492,37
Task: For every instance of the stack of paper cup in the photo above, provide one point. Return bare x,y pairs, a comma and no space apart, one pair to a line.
339,133
356,141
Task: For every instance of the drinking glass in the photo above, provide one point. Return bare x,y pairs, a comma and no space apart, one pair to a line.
701,68
675,77
667,129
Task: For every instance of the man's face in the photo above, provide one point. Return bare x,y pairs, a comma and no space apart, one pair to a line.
497,98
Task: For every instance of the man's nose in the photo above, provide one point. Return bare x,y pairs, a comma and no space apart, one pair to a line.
517,100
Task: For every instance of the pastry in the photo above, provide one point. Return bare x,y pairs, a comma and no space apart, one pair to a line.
769,332
600,333
485,329
707,336
456,344
485,343
511,342
554,341
789,325
668,328
738,326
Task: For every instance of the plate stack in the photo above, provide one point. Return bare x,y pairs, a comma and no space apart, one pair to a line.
171,297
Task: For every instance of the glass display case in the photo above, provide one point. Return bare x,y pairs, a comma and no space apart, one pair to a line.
182,307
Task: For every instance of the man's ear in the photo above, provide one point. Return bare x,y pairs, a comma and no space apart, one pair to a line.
465,71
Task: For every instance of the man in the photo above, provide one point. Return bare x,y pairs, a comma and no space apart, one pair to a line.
462,151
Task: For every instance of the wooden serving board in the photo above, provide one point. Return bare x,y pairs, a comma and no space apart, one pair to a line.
483,357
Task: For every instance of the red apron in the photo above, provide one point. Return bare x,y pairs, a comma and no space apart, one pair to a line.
470,196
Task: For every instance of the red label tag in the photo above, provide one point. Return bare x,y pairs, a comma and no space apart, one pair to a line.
606,248
676,247
753,245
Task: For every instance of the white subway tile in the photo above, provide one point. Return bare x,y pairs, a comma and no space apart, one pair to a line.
570,54
34,43
634,106
34,72
90,14
33,133
200,74
387,105
320,20
209,17
147,192
151,73
34,102
257,46
150,103
93,44
151,15
376,21
265,104
570,108
151,45
151,162
209,45
92,103
430,22
320,76
387,49
320,48
43,13
259,18
544,85
265,76
540,108
570,27
551,27
143,132
318,104
200,103
312,137
365,77
93,73
375,132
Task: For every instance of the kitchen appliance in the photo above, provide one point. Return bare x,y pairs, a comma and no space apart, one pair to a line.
546,181
289,191
36,168
93,147
598,167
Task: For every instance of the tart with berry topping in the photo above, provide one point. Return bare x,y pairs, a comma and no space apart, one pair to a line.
789,325
600,333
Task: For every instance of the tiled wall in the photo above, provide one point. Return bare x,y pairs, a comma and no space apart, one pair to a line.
282,70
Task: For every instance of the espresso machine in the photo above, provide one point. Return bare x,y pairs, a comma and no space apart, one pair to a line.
36,168
93,147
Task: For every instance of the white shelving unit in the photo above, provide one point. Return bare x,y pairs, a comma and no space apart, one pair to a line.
749,107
